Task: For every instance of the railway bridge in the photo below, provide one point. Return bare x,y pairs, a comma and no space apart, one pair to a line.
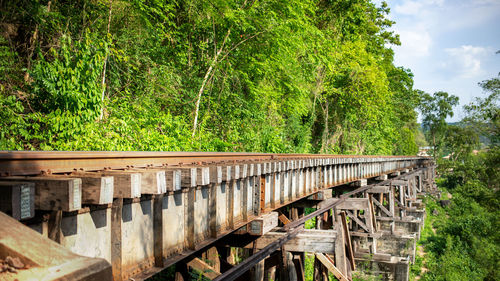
130,215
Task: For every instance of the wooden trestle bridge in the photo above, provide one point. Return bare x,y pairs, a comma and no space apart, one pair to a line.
129,215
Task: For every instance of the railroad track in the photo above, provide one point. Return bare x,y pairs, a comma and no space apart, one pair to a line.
165,206
47,162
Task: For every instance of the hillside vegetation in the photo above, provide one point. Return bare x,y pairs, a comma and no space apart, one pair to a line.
461,241
269,76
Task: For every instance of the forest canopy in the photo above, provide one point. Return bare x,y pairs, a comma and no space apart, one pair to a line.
220,75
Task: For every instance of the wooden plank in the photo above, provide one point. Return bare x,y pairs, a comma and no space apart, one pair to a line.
399,182
153,181
379,189
331,267
127,184
44,259
372,214
309,240
173,179
96,189
188,176
350,252
284,220
262,225
18,199
382,207
207,271
357,220
55,193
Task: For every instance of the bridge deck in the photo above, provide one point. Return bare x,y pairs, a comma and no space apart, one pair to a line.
142,212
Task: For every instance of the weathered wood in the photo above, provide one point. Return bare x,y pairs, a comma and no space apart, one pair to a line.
371,214
173,179
55,193
399,182
188,176
379,189
357,220
158,230
331,267
127,184
45,259
153,181
116,238
96,189
321,195
54,226
299,267
261,225
382,207
309,240
284,220
205,269
283,265
347,235
18,199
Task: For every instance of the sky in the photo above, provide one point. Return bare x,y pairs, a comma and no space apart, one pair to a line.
449,45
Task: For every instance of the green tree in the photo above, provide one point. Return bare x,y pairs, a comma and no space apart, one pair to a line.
435,109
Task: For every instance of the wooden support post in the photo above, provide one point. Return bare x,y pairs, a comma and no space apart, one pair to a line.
116,238
181,272
283,265
340,251
299,266
347,235
189,201
54,225
158,230
328,262
18,199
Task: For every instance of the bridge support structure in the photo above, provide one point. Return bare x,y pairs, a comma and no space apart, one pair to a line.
143,213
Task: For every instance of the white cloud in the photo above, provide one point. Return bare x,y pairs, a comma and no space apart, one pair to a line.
415,43
409,7
466,60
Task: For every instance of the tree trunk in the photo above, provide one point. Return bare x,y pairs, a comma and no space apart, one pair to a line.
204,83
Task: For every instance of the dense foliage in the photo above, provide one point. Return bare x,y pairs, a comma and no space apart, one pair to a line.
271,76
462,242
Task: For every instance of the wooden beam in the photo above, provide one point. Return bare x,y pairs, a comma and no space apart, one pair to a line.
309,240
153,181
357,220
207,271
382,207
126,184
261,225
283,219
173,179
350,252
43,259
55,193
328,263
18,199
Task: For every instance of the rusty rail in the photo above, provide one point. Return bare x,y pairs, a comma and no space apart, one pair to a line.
17,163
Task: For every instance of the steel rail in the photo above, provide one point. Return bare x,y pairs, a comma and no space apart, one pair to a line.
39,162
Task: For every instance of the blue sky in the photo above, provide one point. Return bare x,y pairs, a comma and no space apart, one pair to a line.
449,45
